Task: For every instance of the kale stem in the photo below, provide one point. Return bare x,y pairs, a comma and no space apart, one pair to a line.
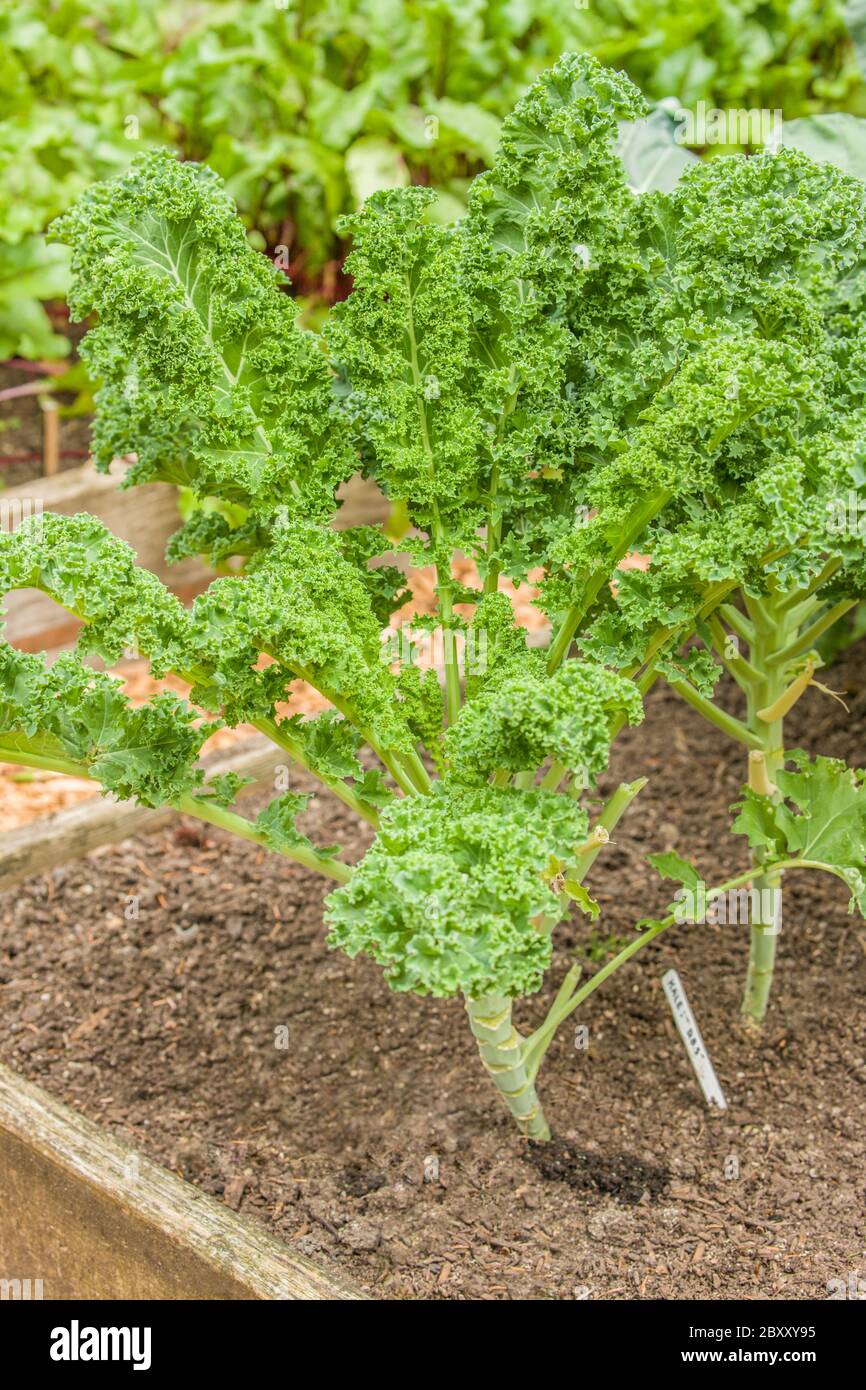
452,670
738,622
502,1052
611,814
388,760
790,601
728,723
239,825
806,641
766,720
566,1002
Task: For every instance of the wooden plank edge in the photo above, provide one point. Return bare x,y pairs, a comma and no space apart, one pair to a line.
106,1194
103,820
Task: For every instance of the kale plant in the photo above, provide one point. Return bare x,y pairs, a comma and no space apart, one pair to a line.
571,372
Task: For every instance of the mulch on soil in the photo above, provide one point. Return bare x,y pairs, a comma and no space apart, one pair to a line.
177,989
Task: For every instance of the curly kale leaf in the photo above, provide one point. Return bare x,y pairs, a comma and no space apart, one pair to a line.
305,606
302,605
523,718
385,583
223,788
493,640
404,340
92,574
554,199
723,401
73,716
276,824
448,896
455,384
329,745
210,534
207,378
421,707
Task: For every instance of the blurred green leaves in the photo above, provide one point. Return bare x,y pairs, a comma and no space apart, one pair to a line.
305,109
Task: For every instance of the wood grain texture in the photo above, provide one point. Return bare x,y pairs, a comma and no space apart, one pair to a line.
103,820
92,1218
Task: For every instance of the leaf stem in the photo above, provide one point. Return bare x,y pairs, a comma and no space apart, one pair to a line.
728,723
388,760
634,524
738,622
340,789
238,825
806,641
189,804
611,814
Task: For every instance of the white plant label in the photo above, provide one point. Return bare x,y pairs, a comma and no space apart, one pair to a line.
692,1040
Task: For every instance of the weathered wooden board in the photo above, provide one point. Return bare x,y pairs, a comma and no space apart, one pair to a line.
103,820
92,1218
144,517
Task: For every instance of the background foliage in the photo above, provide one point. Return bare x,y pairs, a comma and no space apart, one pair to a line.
307,106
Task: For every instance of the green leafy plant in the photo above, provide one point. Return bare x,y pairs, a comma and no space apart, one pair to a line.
756,551
545,384
73,108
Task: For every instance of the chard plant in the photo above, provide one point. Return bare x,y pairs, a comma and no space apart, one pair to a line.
544,385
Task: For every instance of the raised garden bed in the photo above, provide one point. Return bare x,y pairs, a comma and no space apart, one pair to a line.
162,1029
85,1216
666,392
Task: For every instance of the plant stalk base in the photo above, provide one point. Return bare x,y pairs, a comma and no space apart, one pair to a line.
501,1049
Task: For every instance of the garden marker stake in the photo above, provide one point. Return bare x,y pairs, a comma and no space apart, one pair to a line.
530,405
692,1040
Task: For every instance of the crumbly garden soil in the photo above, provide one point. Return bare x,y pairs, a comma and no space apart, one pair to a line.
374,1143
21,418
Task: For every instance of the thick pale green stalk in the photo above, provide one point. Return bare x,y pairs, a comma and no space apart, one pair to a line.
502,1052
772,630
452,668
23,757
728,723
762,953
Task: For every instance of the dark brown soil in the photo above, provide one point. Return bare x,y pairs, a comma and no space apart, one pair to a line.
21,447
374,1142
